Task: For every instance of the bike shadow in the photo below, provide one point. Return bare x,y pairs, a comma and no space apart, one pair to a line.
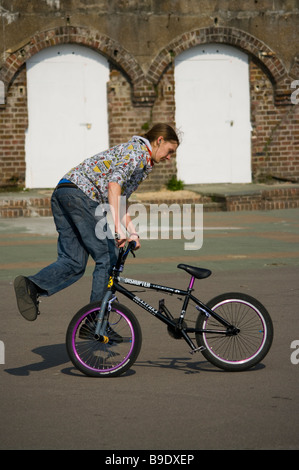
51,356
187,365
55,355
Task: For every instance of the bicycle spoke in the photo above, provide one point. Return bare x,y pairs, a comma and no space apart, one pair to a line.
109,348
99,355
247,343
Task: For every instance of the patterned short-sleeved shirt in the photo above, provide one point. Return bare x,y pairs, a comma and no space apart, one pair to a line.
127,164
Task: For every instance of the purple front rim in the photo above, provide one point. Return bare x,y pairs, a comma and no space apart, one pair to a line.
106,370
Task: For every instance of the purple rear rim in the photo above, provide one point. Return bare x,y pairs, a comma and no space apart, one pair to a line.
106,370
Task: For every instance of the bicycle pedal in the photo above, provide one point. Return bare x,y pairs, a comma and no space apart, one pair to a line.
201,348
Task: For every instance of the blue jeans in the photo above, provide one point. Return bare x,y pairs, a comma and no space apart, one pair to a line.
75,220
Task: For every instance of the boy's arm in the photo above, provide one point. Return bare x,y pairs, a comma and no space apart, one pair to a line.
114,198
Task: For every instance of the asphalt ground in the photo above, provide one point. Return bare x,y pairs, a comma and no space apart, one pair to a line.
169,400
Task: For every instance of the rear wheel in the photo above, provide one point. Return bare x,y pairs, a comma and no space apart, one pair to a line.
246,345
111,355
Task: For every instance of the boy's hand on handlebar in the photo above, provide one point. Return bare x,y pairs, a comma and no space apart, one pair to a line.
120,243
121,240
135,238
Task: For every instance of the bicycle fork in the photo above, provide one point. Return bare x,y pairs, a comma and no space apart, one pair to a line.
102,318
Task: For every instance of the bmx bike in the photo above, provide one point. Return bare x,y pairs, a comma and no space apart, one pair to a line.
233,331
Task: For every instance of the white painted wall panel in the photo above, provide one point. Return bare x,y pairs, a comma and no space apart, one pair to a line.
67,108
213,112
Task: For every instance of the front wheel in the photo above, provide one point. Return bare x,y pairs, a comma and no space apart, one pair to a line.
109,357
243,347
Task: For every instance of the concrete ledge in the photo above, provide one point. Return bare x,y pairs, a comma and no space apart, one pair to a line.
215,198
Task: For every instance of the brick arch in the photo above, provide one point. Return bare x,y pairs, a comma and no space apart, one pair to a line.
231,36
112,50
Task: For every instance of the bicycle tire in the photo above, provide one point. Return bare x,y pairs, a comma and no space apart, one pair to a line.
98,359
245,349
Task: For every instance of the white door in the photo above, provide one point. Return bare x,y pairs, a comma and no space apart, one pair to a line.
67,111
213,113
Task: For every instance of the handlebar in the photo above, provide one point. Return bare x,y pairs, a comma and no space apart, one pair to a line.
123,253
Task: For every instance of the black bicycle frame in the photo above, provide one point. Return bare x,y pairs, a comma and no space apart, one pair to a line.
163,313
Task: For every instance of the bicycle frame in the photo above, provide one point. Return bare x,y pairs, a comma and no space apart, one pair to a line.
163,313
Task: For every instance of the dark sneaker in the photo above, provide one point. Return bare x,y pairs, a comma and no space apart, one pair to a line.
113,336
26,294
87,331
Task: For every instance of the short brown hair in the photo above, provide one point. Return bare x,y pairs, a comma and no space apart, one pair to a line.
164,130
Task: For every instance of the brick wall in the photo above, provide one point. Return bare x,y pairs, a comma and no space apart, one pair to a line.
275,135
126,120
136,101
13,124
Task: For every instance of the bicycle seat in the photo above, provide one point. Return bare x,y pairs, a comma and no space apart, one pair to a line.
199,273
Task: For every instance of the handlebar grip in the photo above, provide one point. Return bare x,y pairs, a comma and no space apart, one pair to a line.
123,253
132,245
